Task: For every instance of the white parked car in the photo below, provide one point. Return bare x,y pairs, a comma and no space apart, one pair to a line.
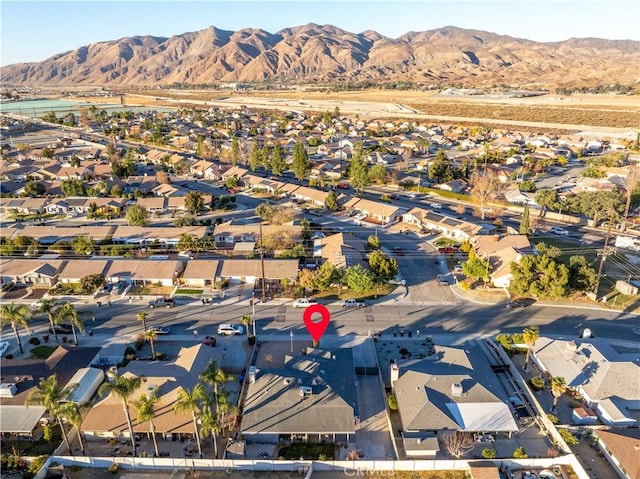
559,231
4,347
304,303
230,330
436,206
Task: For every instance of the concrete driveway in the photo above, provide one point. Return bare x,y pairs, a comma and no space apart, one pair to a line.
372,433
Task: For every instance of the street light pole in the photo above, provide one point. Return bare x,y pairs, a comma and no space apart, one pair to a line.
291,336
253,312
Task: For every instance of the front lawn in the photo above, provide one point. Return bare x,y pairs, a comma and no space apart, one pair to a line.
42,352
308,451
189,291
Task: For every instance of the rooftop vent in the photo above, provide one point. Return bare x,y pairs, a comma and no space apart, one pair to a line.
287,381
305,391
8,390
456,389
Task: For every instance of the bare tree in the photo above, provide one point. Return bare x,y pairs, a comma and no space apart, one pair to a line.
486,188
457,443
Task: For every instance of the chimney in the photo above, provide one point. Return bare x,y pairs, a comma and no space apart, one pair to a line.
394,370
252,374
456,390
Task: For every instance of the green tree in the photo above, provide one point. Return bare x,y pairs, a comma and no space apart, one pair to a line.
378,174
185,220
83,245
548,199
373,242
123,388
359,279
145,406
215,377
358,169
235,150
539,276
381,265
34,189
255,156
277,161
525,222
189,402
530,336
89,284
142,317
476,267
582,277
72,413
194,202
331,202
548,250
210,426
325,277
73,187
150,335
301,165
393,402
232,182
188,242
528,186
440,168
50,396
558,387
17,316
307,278
67,313
137,215
49,307
265,211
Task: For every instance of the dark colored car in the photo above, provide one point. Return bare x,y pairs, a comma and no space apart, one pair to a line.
398,251
61,329
520,303
448,250
209,340
342,186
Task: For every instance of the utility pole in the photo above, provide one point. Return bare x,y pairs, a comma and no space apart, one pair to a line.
264,291
605,252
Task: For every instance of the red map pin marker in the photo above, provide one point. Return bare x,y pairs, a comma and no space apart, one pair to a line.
316,329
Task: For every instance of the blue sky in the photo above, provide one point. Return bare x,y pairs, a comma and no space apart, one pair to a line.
34,31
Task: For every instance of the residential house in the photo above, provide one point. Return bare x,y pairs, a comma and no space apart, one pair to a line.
340,249
23,206
76,269
310,195
513,195
450,227
620,447
501,252
144,184
205,169
593,184
201,273
36,273
47,235
452,389
20,377
312,397
167,378
229,233
455,186
167,236
163,272
604,372
153,204
377,212
250,270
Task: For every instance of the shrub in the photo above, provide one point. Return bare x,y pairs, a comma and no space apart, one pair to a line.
520,453
393,402
489,453
553,419
161,356
114,468
139,342
251,339
568,437
36,465
537,383
35,341
8,356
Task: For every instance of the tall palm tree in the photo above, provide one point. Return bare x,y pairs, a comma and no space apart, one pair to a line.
210,427
72,412
145,406
49,395
68,313
214,376
530,336
189,401
142,316
151,336
558,387
123,387
48,306
18,316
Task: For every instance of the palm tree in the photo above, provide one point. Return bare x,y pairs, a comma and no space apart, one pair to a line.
558,387
123,387
17,315
530,336
49,395
68,312
151,336
188,401
48,306
210,427
72,412
146,412
214,377
142,316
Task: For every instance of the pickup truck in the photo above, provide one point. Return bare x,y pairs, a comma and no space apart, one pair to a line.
159,302
352,303
304,303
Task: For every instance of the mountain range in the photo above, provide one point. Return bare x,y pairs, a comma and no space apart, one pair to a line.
325,53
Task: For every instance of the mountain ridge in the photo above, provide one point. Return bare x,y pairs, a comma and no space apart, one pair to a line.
322,53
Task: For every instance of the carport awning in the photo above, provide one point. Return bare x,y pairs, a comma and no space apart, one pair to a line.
486,416
19,419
